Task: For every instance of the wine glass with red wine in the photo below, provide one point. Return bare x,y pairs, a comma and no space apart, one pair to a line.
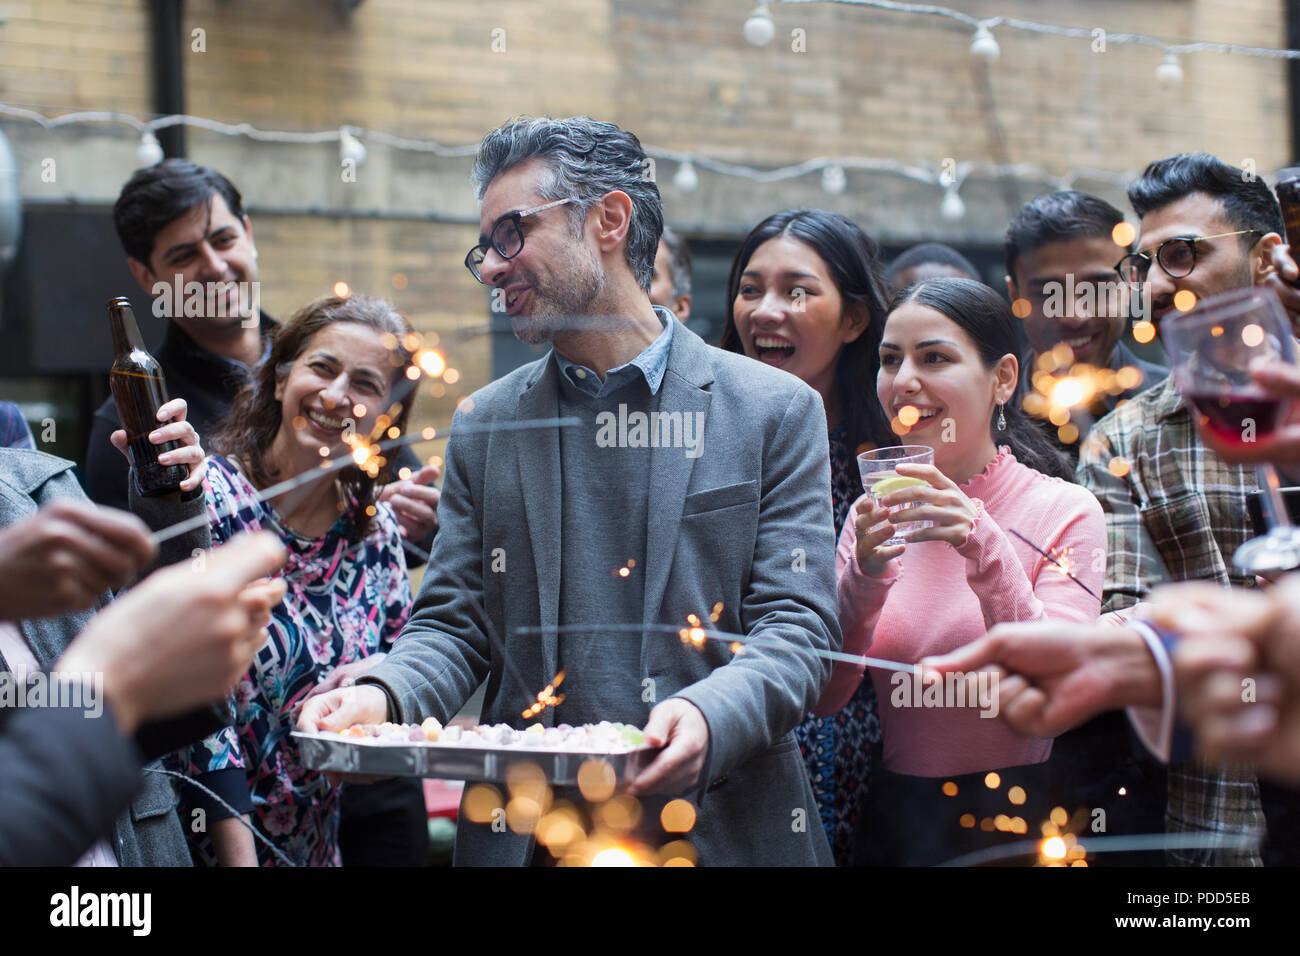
1212,350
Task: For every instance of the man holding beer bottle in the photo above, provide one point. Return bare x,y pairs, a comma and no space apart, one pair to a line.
190,245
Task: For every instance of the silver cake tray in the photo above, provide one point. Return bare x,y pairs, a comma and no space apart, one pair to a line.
361,755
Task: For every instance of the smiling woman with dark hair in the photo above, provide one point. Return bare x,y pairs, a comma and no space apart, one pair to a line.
948,352
805,295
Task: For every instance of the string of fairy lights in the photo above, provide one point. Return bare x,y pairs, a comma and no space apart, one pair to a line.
352,149
759,29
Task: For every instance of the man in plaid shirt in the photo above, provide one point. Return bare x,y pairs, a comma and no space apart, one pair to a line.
1174,509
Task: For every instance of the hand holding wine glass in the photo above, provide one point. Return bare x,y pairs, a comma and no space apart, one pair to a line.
1215,351
1282,446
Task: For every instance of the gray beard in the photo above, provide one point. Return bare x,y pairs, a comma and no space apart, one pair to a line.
566,311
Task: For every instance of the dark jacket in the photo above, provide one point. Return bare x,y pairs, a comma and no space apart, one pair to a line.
65,777
149,834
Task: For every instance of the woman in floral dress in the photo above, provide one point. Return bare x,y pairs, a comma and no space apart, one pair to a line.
335,370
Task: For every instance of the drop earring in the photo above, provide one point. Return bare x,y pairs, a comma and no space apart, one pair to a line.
1002,416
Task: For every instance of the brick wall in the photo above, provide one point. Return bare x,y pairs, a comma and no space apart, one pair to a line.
679,73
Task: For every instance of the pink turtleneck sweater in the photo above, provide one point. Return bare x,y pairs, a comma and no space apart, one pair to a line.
936,598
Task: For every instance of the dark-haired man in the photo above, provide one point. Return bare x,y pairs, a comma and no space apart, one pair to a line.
1173,508
671,285
586,547
181,224
1060,256
929,260
190,246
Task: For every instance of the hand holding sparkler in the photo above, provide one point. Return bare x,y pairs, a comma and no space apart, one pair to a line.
1060,674
1237,665
415,501
181,637
65,556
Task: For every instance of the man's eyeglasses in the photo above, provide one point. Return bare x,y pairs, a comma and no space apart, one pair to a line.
1176,256
507,238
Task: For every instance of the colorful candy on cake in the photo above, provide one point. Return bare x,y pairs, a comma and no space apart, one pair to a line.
601,738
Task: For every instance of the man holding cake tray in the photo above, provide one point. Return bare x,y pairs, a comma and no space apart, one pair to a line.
585,548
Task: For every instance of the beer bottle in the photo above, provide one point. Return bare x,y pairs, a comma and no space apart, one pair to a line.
138,390
1288,197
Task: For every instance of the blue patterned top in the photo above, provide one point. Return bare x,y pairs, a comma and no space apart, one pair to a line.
14,430
345,601
842,751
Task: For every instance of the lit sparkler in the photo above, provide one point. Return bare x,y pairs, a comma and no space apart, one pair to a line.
696,635
1054,844
547,698
348,460
1061,385
1061,566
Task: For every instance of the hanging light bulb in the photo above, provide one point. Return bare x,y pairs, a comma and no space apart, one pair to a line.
350,148
984,46
686,179
1170,71
759,28
952,208
150,151
834,180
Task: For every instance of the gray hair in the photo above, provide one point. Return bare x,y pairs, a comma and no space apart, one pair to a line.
587,159
679,262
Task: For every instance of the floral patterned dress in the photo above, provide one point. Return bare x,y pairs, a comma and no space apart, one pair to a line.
345,601
842,750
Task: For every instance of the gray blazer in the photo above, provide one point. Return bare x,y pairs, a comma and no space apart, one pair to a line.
748,523
150,833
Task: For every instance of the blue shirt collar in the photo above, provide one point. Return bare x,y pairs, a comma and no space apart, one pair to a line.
649,365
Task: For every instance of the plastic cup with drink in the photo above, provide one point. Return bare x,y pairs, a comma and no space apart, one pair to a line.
880,478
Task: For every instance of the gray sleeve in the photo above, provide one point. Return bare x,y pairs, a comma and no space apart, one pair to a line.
789,611
443,653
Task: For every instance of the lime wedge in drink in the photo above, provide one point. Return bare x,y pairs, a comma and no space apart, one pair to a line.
894,483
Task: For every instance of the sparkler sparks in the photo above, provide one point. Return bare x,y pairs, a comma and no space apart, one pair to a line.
547,698
1060,566
1062,385
1076,850
695,634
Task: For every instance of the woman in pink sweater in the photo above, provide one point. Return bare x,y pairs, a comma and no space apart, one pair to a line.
949,350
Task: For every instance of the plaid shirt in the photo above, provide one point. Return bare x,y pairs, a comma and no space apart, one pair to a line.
1175,512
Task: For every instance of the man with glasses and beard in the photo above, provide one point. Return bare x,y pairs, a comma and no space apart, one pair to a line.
588,548
1173,508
